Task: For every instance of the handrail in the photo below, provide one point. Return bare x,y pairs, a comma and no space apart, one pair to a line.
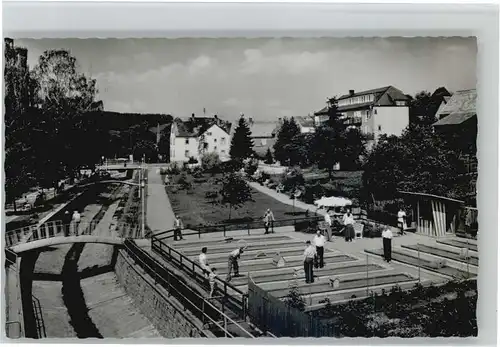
40,324
192,264
133,250
207,229
52,229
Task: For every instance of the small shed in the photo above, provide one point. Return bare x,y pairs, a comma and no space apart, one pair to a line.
436,216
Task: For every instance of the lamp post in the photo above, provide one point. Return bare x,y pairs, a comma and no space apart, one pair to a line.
143,222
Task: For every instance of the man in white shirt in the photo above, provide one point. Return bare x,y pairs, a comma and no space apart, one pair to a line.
76,222
328,224
203,261
319,241
387,241
309,254
232,263
348,221
401,221
177,228
268,220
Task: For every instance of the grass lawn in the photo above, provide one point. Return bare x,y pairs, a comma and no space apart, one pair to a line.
194,208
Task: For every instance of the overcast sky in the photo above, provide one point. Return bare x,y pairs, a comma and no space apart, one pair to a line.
263,78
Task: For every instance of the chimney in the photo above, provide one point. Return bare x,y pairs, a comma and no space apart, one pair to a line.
280,121
351,92
192,115
250,121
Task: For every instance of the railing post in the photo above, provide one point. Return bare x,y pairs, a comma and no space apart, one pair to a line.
224,227
199,233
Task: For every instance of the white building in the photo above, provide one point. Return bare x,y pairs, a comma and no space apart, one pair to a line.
375,112
199,135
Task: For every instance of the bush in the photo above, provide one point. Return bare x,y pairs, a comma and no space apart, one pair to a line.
210,162
185,181
292,179
251,167
192,160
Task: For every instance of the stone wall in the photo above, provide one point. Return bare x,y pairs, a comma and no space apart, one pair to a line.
165,313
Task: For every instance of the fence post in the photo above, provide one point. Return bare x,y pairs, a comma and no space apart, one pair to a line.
367,278
199,233
418,250
224,227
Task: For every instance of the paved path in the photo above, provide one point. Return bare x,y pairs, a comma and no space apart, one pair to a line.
285,199
160,215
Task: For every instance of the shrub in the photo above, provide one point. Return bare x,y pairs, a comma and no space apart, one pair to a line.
251,166
294,298
185,181
210,162
192,160
292,179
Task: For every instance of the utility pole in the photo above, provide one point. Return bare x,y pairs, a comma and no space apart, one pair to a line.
143,198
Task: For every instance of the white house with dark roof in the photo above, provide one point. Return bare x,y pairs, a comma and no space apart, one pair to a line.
306,124
375,112
196,136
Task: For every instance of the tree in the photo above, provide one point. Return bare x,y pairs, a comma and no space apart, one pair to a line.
424,105
418,161
269,157
64,97
291,146
234,191
241,143
210,162
334,143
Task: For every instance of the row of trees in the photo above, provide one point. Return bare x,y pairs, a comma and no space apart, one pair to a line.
55,124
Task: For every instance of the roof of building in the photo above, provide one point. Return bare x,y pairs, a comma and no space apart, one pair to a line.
462,101
306,122
258,129
385,96
196,126
455,118
458,108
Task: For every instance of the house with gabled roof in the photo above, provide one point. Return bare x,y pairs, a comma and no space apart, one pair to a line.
375,112
194,137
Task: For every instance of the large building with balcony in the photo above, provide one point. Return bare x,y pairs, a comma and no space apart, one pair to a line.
375,112
197,136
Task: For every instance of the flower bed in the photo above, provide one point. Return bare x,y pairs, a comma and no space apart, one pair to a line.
447,310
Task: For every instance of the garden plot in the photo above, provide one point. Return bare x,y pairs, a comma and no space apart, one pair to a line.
207,242
287,274
347,282
406,256
226,248
459,244
266,264
442,253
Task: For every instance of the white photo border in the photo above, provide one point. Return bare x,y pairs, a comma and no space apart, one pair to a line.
131,19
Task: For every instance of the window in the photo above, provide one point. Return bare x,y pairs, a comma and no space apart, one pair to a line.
374,111
215,148
223,152
379,128
187,141
215,140
186,153
209,133
263,142
223,141
205,145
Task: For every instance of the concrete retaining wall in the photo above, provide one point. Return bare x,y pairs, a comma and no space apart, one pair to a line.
165,313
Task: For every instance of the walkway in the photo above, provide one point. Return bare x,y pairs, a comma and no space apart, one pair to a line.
160,215
285,199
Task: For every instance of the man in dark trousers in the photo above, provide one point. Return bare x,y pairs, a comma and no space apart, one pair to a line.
309,254
177,228
387,240
319,242
232,263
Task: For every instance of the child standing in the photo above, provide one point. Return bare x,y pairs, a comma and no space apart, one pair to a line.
211,280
